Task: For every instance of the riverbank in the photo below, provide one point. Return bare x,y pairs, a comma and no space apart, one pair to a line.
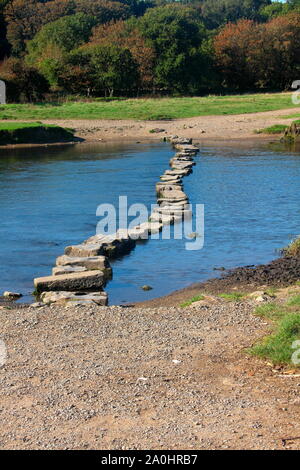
34,133
280,272
232,129
143,378
229,128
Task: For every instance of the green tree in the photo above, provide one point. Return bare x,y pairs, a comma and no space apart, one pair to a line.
99,70
176,34
54,40
23,83
219,12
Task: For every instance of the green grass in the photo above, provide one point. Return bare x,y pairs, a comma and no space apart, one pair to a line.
13,126
293,249
278,346
234,297
33,132
197,298
271,311
149,109
294,301
285,318
276,129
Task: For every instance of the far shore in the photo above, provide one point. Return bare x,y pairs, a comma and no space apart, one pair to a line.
225,128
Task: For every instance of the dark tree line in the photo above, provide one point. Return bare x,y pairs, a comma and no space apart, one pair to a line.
51,48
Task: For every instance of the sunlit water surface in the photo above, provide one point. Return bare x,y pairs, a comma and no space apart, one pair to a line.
49,197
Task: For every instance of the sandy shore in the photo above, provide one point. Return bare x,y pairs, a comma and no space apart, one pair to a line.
216,128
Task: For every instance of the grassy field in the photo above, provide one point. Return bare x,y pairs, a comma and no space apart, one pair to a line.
149,109
32,132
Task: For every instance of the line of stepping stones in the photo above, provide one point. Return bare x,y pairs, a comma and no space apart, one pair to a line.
80,275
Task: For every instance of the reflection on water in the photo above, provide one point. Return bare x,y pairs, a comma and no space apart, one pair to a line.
49,196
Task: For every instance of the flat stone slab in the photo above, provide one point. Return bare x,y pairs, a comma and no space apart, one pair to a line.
110,248
75,298
90,263
89,280
151,227
161,187
181,166
165,219
169,200
67,270
175,204
180,173
174,139
174,194
184,157
170,178
85,250
187,148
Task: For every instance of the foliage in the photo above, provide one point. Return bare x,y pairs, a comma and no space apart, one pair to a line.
197,298
127,35
24,83
186,47
99,69
293,249
251,55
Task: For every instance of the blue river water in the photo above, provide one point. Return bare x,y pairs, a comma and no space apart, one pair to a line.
49,197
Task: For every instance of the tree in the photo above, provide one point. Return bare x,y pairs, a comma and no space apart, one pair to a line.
23,83
25,18
126,35
252,55
232,46
99,70
219,12
176,34
55,39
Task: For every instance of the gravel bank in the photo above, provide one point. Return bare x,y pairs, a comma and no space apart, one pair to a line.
133,378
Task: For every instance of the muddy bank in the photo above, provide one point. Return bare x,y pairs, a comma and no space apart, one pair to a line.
279,273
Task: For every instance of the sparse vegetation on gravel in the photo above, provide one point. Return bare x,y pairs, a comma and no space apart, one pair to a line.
285,317
197,298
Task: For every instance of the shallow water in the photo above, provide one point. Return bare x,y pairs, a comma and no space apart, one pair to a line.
49,196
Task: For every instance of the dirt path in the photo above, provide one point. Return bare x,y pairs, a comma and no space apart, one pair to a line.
105,378
231,127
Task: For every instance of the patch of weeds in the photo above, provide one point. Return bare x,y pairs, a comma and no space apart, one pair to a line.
294,301
278,346
271,291
197,298
276,129
270,310
293,249
233,297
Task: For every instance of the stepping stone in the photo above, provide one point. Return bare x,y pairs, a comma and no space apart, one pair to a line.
85,250
75,298
89,280
178,172
165,219
174,195
181,166
94,262
111,246
187,148
67,270
175,140
184,157
170,178
161,187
